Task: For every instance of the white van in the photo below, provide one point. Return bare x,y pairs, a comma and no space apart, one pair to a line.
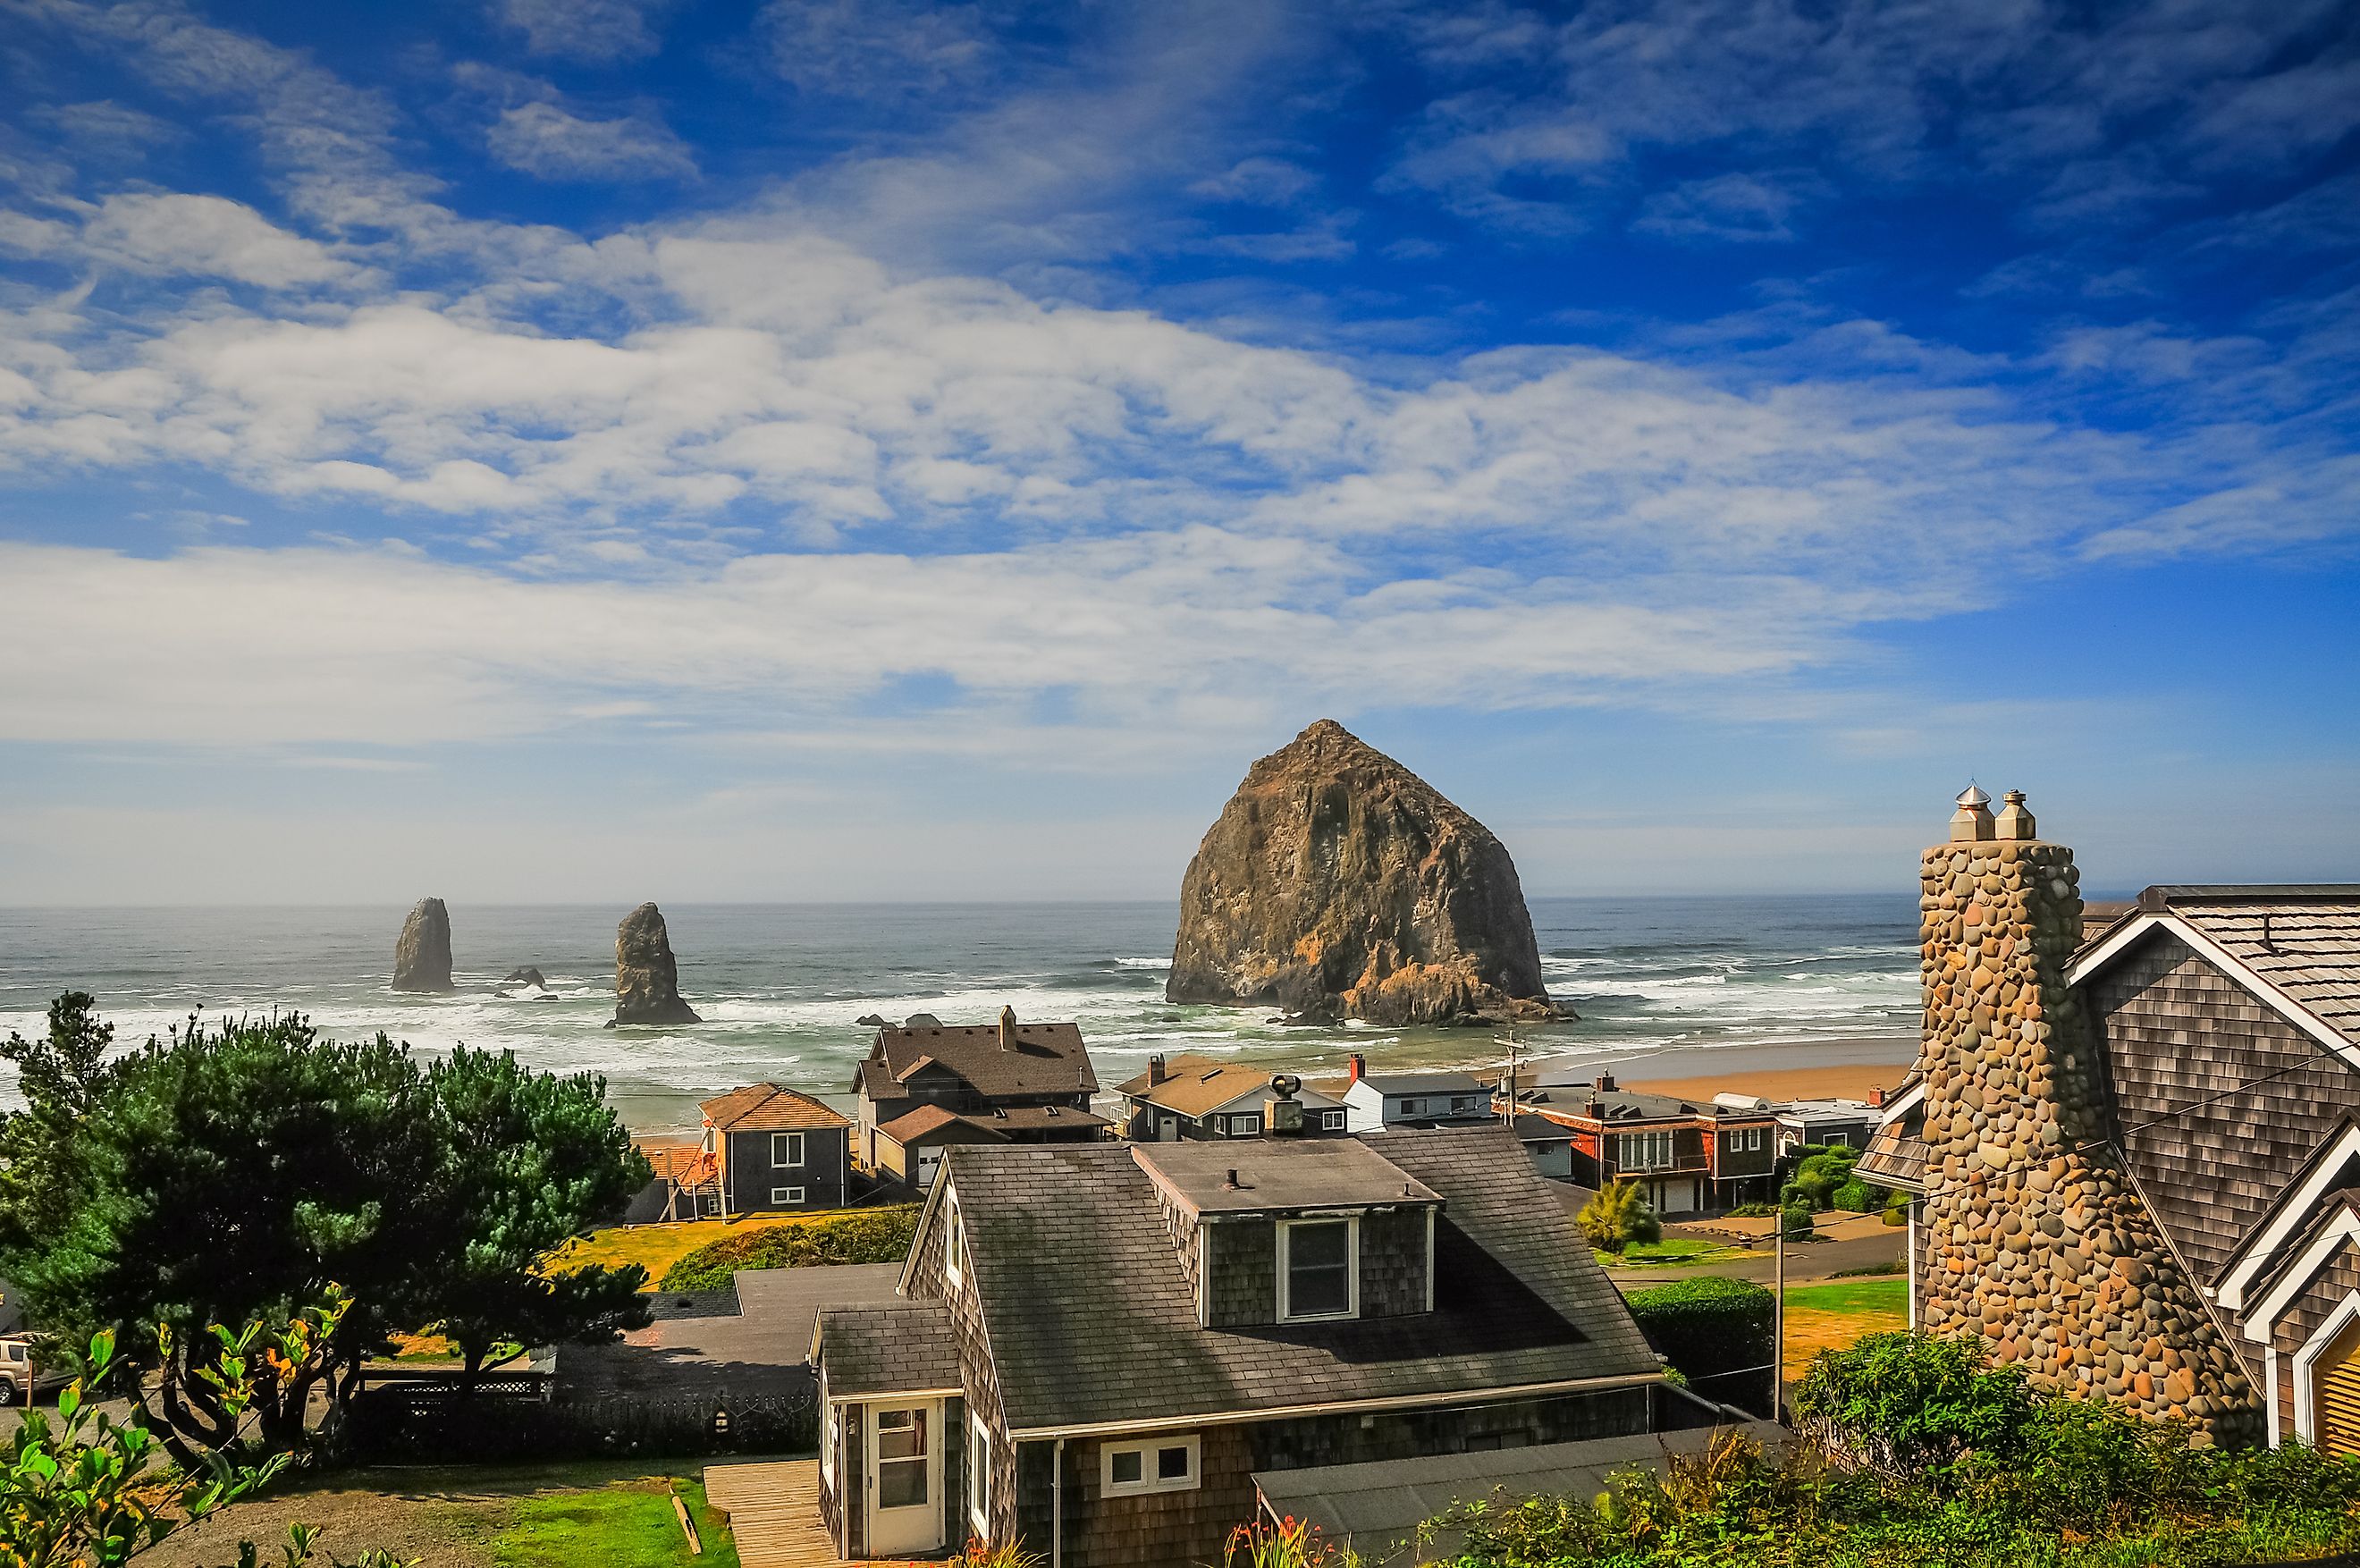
23,1374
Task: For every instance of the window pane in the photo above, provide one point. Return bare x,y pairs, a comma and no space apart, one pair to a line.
1125,1464
902,1438
902,1484
1318,1245
1171,1463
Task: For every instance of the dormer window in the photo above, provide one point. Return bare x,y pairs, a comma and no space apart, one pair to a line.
1318,1269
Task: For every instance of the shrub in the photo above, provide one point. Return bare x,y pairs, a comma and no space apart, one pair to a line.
1795,1221
1717,1332
1898,1215
1858,1197
1754,1210
1616,1215
1913,1402
855,1235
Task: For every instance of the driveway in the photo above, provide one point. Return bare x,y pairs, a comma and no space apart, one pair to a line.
750,1341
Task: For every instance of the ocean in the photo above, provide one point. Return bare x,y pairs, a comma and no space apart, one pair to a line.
1665,980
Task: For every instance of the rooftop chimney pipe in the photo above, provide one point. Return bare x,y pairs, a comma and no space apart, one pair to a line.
1155,1070
1359,1068
1605,1083
1007,1028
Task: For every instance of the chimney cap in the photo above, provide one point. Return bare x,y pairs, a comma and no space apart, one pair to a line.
1972,823
2015,821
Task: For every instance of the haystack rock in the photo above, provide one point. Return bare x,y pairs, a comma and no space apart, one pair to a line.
421,959
1339,884
647,981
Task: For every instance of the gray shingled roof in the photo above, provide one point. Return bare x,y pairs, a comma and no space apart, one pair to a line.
1426,1083
1091,1318
2304,940
1279,1175
1049,1058
894,1347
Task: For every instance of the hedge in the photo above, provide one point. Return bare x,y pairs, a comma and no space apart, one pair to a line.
1716,1332
855,1235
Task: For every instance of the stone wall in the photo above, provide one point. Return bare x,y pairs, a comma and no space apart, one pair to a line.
2033,1237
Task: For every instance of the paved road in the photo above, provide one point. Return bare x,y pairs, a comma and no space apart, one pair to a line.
753,1343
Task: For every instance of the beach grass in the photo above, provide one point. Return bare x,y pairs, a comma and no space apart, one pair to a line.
657,1247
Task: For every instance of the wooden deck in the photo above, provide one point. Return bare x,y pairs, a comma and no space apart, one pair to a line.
774,1509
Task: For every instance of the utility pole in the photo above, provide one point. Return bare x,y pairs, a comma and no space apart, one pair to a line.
1508,1112
1779,1328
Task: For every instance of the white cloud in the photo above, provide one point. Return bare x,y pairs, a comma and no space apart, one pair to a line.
209,236
595,30
549,143
874,50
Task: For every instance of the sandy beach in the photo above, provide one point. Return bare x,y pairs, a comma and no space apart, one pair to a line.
1802,1070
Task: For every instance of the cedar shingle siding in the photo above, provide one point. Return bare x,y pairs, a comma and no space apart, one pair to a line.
2178,1030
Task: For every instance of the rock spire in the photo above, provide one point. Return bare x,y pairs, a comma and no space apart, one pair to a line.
2032,1236
421,956
1339,884
647,979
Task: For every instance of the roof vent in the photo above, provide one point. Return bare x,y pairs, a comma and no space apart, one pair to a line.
1007,1028
1232,1183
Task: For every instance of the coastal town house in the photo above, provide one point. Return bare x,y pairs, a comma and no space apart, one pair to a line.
1378,1102
768,1149
927,1086
1192,1097
1688,1157
1110,1354
2147,1143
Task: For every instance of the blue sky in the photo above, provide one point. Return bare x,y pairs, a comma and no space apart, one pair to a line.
523,449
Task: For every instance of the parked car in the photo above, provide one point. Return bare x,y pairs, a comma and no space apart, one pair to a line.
25,1373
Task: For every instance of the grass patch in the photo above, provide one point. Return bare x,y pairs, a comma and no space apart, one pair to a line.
1852,1298
849,1235
657,1247
624,1524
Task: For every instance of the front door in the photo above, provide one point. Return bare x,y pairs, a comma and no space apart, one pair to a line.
906,1479
1167,1129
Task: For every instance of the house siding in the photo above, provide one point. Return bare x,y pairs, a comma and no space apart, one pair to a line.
1187,1529
977,1374
752,1177
2176,1030
1245,1268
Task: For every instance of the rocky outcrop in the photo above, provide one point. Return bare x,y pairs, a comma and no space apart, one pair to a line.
647,979
528,975
421,958
1339,884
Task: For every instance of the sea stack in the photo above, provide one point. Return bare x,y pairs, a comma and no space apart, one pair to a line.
647,981
1339,884
421,959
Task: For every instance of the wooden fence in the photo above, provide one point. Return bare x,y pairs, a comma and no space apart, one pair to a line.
423,1420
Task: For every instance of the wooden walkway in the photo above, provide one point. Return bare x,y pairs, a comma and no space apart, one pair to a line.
774,1509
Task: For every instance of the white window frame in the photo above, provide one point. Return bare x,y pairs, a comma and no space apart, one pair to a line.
1623,1160
953,1244
1244,1124
1351,1224
1148,1480
786,1197
830,1433
796,1148
2306,1363
979,1477
1331,1121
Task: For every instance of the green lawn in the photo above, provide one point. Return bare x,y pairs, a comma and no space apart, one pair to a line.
1852,1298
623,1524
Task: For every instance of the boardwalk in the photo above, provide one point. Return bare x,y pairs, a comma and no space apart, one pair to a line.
774,1509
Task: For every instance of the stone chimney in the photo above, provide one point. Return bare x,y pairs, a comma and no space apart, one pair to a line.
1007,1028
2031,1236
1154,1069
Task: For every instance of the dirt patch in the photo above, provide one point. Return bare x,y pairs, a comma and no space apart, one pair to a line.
438,1529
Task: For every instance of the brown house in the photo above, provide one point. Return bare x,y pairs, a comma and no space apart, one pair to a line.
1191,1097
2191,1231
1109,1353
1688,1156
928,1086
